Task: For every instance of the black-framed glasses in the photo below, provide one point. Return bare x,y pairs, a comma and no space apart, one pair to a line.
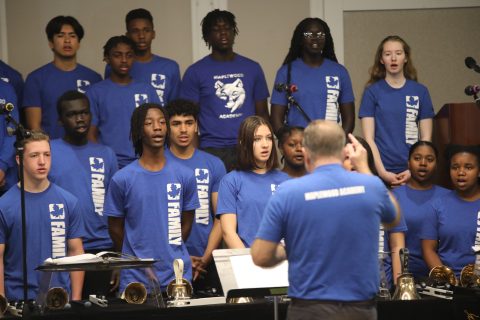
314,35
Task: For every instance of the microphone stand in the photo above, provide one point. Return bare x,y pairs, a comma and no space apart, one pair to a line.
291,101
21,133
476,99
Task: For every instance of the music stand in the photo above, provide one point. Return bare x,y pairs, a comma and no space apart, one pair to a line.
105,264
240,277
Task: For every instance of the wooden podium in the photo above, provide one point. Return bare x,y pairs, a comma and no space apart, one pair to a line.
455,123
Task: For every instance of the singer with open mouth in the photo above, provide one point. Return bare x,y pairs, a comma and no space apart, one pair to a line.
311,75
396,111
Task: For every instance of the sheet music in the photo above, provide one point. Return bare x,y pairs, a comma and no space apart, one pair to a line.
248,275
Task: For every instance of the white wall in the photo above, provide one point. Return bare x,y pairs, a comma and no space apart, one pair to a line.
439,31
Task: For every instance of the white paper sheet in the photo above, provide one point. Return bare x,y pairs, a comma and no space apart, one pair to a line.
248,275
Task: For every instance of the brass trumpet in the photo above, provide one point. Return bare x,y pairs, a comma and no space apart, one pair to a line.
135,293
56,298
441,275
468,277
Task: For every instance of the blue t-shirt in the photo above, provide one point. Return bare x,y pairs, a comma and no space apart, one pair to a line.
152,204
112,105
397,113
321,90
45,85
163,75
12,76
330,221
85,171
226,92
208,170
453,222
415,204
7,150
53,217
245,194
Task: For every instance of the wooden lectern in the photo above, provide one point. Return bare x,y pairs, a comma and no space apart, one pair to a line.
455,123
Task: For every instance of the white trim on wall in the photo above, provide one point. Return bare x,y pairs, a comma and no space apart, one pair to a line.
367,5
332,12
200,8
317,9
3,31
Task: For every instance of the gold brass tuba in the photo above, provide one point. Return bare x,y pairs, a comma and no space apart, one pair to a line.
441,275
135,293
468,277
56,298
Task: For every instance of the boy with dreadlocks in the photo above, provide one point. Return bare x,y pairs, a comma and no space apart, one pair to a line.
227,86
324,86
113,100
150,203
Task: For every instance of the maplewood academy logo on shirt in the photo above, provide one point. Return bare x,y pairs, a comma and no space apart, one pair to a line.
202,214
57,224
174,223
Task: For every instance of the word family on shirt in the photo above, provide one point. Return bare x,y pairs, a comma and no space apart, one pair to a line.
411,127
174,218
57,221
202,214
97,168
333,92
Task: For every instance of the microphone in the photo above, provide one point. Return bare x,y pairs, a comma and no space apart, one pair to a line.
6,108
472,90
283,87
470,63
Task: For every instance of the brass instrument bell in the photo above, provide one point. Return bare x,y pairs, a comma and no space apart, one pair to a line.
56,298
405,283
179,288
468,277
135,293
441,275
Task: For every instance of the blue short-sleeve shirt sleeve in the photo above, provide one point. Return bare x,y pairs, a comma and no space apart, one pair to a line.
115,200
227,196
367,106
